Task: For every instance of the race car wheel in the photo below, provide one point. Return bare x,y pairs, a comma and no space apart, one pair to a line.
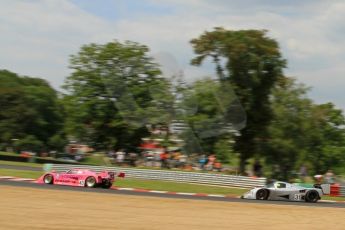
90,182
312,196
48,179
262,194
106,184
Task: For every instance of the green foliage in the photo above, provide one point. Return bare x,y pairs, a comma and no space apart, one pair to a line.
210,127
30,143
302,132
253,64
57,142
114,91
29,111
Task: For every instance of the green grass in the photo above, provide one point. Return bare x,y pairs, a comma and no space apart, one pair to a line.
9,154
176,187
15,163
20,173
333,198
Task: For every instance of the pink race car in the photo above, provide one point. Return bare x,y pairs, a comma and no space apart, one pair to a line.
80,177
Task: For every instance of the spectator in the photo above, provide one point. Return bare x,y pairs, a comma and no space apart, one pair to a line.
164,159
210,163
149,157
120,156
111,154
217,166
202,161
132,159
182,160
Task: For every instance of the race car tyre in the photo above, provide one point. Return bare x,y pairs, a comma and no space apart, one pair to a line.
48,179
90,182
312,196
262,194
107,184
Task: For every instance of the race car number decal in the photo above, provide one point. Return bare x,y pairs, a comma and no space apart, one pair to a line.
297,197
81,182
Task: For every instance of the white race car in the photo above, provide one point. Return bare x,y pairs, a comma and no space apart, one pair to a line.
285,191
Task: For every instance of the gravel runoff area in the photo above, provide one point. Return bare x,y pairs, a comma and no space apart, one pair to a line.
30,208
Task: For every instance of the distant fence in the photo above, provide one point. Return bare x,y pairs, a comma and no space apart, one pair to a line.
176,176
342,191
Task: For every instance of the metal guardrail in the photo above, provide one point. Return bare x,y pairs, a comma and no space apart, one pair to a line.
342,191
176,176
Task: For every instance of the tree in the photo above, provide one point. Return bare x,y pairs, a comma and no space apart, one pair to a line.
114,91
204,109
302,133
29,110
253,64
326,139
287,131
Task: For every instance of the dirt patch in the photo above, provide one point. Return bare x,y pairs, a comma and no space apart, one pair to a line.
28,208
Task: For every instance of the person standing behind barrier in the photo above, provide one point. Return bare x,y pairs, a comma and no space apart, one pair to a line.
120,157
202,161
182,160
164,158
217,166
132,159
210,163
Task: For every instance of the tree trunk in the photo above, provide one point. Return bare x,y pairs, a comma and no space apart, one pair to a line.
243,164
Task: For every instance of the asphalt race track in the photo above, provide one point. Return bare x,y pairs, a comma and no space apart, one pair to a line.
21,184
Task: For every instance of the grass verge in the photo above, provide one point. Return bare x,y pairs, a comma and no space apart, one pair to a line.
16,163
177,187
20,173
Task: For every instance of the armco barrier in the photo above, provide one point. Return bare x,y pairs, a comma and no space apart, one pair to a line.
342,191
177,176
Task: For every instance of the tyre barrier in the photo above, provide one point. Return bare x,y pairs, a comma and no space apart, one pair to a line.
335,190
176,176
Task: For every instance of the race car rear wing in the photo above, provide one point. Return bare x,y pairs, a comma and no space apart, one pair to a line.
326,188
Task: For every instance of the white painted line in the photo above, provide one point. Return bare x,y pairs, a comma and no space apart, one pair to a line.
185,193
328,201
126,189
154,191
21,179
6,177
215,195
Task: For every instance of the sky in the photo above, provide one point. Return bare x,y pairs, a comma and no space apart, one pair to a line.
38,36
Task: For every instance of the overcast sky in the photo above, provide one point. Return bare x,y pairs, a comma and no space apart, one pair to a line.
37,36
